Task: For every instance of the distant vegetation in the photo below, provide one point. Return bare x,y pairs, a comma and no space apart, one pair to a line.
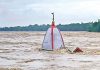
94,27
74,27
91,26
67,27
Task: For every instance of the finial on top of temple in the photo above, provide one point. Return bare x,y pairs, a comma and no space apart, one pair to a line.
53,16
53,23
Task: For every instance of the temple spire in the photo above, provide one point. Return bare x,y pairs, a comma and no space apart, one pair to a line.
53,17
53,22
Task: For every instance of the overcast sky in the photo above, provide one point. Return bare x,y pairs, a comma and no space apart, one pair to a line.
26,12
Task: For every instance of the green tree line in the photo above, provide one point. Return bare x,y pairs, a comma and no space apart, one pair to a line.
91,26
36,27
94,27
